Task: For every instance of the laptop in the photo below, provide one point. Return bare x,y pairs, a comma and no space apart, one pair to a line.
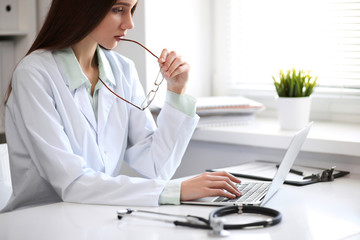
257,193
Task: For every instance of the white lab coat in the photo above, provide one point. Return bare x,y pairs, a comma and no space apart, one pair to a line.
59,152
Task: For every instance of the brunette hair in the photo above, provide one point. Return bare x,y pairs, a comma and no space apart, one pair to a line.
68,22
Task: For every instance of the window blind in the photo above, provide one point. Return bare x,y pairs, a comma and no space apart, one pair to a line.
322,36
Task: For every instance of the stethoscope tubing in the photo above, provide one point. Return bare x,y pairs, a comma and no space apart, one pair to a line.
223,211
202,223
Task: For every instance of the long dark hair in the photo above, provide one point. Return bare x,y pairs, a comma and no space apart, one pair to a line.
68,22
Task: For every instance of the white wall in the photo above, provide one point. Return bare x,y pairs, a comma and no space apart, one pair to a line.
132,50
184,26
42,9
201,156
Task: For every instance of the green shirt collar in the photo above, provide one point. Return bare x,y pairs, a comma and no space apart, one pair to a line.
75,75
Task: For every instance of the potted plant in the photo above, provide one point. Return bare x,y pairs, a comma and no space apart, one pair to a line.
294,91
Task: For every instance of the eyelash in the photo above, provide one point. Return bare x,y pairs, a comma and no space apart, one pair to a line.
118,10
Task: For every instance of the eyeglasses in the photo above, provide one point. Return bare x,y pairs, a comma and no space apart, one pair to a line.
151,95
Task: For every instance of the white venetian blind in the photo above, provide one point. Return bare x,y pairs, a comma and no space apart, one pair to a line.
265,36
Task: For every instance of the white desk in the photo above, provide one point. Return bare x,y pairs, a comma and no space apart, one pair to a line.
328,211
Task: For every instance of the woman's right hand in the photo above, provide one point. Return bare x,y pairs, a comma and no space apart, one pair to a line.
209,184
175,71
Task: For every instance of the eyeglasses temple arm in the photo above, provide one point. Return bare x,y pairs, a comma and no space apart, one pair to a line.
129,40
142,109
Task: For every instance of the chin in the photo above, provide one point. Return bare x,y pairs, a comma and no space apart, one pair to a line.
109,46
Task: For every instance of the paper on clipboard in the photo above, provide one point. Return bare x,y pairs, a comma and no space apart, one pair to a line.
265,170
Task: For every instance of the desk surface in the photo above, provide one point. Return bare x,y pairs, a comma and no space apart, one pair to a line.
328,211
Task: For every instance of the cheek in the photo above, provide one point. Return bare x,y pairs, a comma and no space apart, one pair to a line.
102,32
104,28
110,22
107,25
105,39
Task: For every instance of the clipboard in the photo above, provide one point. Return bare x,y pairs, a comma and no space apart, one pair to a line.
265,171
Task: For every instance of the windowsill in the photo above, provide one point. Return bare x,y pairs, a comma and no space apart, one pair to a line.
326,105
324,137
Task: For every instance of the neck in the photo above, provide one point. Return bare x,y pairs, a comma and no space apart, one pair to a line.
85,52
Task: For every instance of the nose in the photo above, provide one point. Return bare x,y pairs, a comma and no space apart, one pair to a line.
128,23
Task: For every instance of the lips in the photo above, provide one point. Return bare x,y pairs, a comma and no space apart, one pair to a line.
118,37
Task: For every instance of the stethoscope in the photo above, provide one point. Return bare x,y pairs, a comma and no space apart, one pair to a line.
215,223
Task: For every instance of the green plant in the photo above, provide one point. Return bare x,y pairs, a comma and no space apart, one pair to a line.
295,84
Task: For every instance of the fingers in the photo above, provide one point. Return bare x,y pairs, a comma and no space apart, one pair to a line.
163,56
223,182
222,193
226,174
175,70
172,64
210,184
176,67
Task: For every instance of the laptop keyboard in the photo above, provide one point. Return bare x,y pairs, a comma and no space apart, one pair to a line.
250,191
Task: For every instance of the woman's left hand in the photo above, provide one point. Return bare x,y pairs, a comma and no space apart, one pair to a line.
175,70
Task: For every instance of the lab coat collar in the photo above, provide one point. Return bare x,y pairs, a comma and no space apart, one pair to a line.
74,74
105,71
106,100
85,106
77,81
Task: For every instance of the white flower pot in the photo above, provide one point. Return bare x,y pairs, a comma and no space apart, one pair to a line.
293,112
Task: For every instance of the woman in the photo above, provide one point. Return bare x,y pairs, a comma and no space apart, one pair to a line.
68,135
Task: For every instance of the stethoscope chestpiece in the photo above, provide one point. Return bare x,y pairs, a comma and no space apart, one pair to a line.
217,228
121,213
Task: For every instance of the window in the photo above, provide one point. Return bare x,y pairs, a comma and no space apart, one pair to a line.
260,37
